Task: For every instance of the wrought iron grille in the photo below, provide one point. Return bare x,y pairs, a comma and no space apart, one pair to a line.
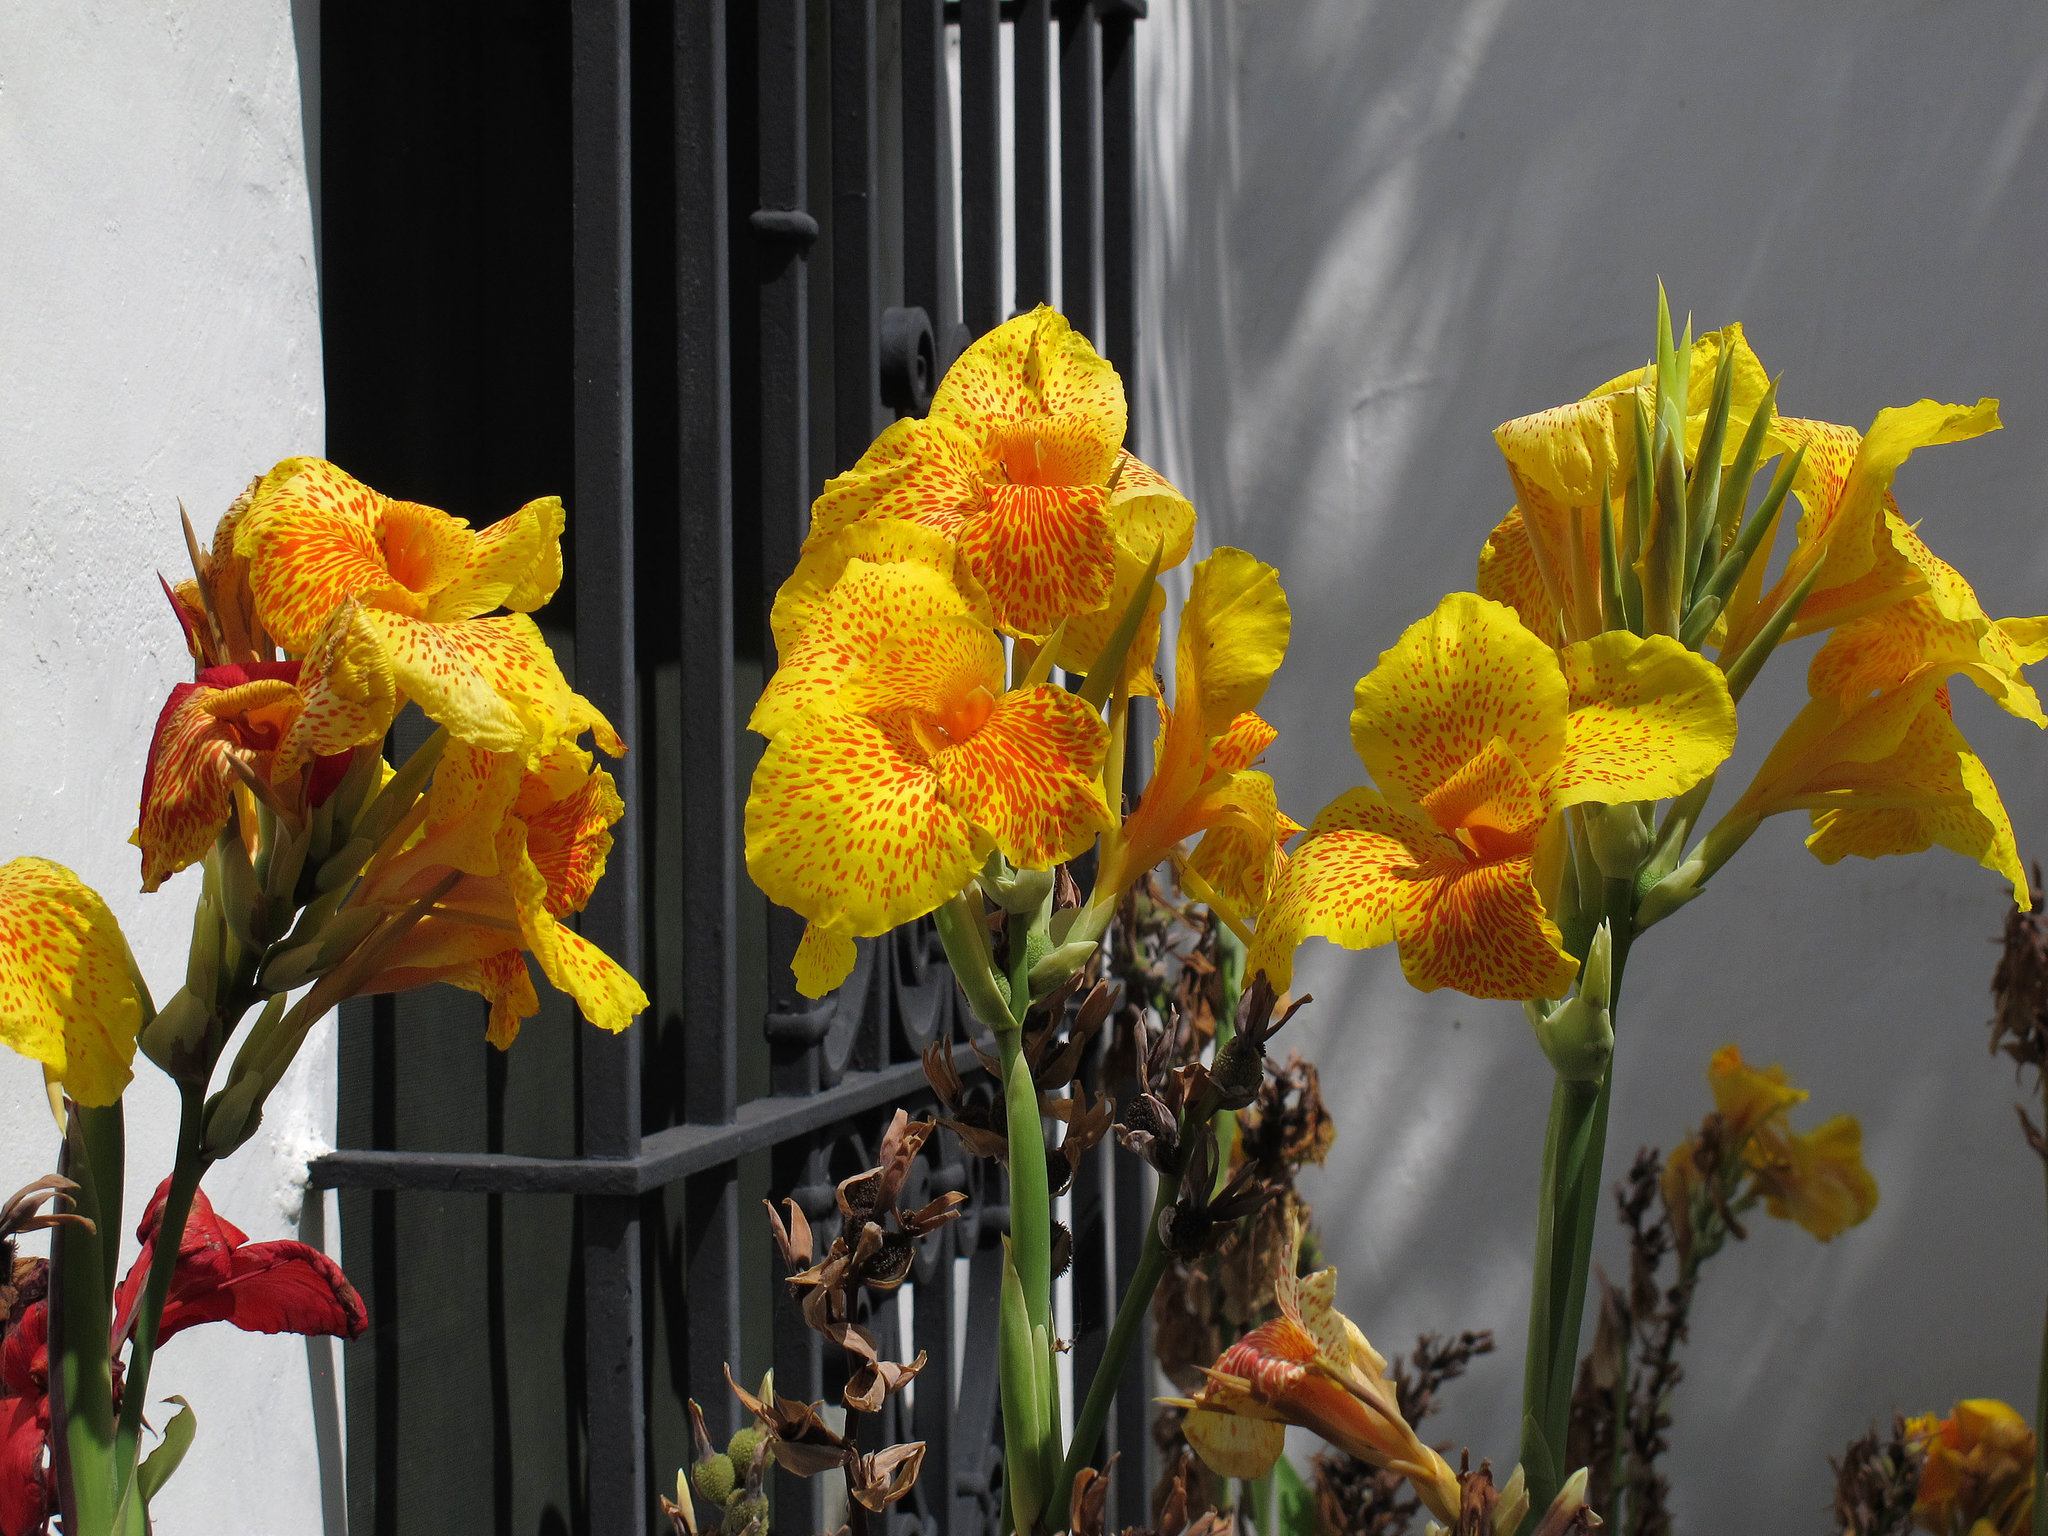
681,259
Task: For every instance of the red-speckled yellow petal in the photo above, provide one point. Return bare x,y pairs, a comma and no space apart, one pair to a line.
1148,513
426,549
351,696
1469,673
305,561
1932,789
1243,744
1233,637
1239,855
1491,794
1028,776
866,604
603,991
1481,930
1033,365
823,960
187,786
933,669
1649,719
515,563
845,825
1509,574
492,682
878,541
67,998
1343,881
570,838
507,984
919,469
1041,552
1232,1445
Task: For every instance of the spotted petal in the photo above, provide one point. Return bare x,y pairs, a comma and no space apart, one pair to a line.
1041,552
807,593
67,996
1649,719
1239,856
1028,777
846,825
1034,365
1233,637
1343,882
1234,1444
1457,680
515,563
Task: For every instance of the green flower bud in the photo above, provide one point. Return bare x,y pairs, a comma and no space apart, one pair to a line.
743,1512
741,1448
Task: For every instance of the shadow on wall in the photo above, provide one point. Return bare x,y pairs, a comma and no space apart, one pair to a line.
1374,231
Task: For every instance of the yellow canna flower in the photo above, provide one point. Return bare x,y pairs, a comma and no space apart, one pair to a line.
898,760
528,846
418,583
1479,735
1979,1471
1747,1097
68,995
1233,636
1021,462
1543,560
1311,1367
1850,537
1814,1178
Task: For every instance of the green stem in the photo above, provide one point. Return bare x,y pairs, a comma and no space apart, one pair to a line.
1574,1148
186,1171
1030,1199
1123,1334
81,1371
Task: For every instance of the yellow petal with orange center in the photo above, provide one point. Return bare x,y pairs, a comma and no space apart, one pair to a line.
1034,365
846,825
1491,798
67,997
945,670
863,607
1467,674
1029,776
1041,553
823,960
1649,719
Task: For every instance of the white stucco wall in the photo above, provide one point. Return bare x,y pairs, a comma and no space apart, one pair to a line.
159,327
1373,231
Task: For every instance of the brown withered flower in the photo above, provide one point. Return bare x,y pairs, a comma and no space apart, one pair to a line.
1877,1479
25,1280
2019,997
1189,1228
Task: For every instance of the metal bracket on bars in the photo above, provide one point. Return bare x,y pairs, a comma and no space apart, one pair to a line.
791,224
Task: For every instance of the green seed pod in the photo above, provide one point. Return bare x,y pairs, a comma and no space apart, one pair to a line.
742,1445
743,1512
713,1478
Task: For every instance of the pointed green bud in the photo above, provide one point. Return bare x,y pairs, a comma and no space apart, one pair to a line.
1578,1034
1016,891
177,1038
1672,892
1619,836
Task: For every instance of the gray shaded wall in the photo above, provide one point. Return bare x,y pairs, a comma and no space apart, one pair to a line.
1372,232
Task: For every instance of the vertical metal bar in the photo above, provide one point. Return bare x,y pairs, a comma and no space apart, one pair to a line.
856,358
926,120
1031,35
1120,197
783,230
799,1356
981,165
601,118
1080,134
710,848
932,1315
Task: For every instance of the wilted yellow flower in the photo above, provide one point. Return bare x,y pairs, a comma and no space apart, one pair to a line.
1312,1367
1979,1469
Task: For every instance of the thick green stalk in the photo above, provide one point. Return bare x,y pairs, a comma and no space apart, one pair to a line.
1574,1149
81,1370
1030,1201
1123,1334
190,1164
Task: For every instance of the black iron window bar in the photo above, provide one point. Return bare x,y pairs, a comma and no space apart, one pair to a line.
734,163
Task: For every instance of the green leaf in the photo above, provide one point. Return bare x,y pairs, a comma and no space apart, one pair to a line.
1109,666
1614,607
1752,660
1297,1501
1754,532
159,1464
1703,495
1735,485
